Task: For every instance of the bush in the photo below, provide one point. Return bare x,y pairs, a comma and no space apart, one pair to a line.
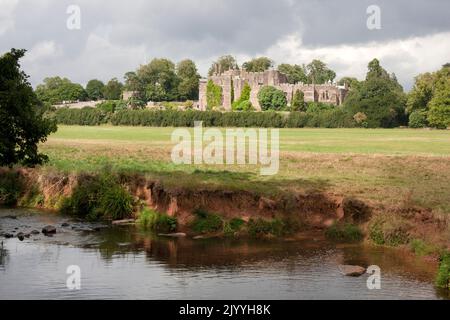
443,276
230,228
213,95
243,103
271,98
206,222
98,197
156,221
344,232
84,117
420,248
418,119
260,228
389,230
11,188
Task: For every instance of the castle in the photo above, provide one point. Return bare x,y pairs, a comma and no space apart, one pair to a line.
233,81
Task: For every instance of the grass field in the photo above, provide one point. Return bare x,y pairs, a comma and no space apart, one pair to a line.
380,165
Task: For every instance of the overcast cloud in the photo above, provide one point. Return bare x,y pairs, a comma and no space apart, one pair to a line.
118,36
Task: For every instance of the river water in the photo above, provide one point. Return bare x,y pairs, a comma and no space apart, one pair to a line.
128,263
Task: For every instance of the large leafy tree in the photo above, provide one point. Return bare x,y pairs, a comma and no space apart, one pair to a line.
160,80
380,97
439,106
56,90
223,64
294,73
319,73
188,80
22,122
271,98
298,101
260,64
113,90
94,89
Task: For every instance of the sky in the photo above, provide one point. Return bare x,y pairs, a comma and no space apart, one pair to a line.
117,36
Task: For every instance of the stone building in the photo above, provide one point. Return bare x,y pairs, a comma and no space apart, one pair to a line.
233,81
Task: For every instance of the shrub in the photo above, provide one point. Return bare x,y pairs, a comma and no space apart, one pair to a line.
418,119
107,106
389,230
98,197
206,222
298,101
156,221
271,98
344,232
11,188
231,227
243,103
260,228
420,248
443,276
85,117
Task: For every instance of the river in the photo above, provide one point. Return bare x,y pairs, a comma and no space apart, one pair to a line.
129,263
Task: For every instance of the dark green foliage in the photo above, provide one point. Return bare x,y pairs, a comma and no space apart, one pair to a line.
55,90
87,116
260,64
111,106
418,119
294,73
298,101
23,124
260,228
271,98
206,222
94,89
98,197
379,97
344,232
113,90
230,228
443,277
11,187
223,64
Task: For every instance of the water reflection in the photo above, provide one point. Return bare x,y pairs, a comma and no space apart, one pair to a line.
129,263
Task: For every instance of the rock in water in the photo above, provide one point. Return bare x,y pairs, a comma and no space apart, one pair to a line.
49,230
172,235
352,271
21,236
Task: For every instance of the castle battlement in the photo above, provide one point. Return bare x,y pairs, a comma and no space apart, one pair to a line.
234,80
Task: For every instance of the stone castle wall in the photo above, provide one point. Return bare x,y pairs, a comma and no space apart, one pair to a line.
327,93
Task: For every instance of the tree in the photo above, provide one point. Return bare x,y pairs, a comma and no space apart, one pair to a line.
22,122
159,79
56,90
113,90
379,97
319,73
132,82
294,73
260,64
351,82
94,89
439,113
223,64
298,101
270,98
188,80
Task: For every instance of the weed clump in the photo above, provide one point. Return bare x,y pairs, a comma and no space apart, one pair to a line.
206,222
230,228
11,188
99,198
389,230
150,219
258,228
443,276
344,232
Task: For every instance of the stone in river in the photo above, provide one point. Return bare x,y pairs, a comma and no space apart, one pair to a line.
21,236
49,230
352,271
35,232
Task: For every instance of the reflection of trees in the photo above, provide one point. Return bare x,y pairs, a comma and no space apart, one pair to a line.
4,256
